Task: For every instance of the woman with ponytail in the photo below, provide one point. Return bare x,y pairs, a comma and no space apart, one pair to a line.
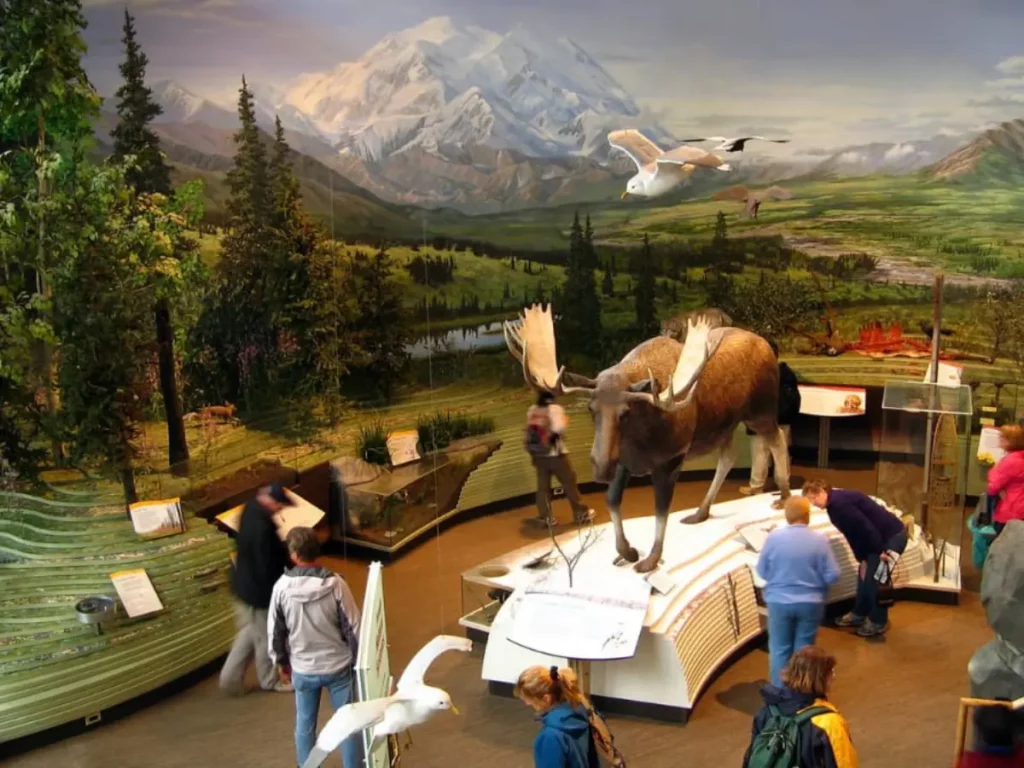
565,739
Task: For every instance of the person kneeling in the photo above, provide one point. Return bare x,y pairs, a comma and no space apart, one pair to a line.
798,567
798,727
314,628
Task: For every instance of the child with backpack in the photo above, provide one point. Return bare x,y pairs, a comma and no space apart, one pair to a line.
572,734
798,727
546,423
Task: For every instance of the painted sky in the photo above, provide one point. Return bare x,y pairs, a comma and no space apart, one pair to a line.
825,72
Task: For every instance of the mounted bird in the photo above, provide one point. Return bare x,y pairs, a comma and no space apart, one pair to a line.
662,402
658,171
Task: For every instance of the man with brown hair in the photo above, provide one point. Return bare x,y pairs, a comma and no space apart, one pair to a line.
546,423
314,631
872,533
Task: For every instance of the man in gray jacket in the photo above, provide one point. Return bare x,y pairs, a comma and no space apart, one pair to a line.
313,625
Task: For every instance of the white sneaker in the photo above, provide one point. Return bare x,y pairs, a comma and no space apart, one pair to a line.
282,687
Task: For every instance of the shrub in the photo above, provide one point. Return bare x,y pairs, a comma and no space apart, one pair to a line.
372,444
438,431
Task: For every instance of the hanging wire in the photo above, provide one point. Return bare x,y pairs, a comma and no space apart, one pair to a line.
433,426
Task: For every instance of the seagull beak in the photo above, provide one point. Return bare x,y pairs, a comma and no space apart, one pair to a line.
455,710
624,195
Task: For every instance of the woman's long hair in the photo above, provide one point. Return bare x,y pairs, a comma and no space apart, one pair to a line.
562,685
1013,434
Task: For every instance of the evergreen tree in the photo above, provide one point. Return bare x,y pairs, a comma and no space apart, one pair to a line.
149,174
721,236
580,314
46,104
136,110
607,284
646,311
381,327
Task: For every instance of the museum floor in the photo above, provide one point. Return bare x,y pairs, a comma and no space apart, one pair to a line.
900,695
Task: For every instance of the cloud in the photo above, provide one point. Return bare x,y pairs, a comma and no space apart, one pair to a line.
851,157
898,151
1013,66
997,102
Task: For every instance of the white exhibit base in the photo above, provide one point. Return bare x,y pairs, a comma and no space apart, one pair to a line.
709,613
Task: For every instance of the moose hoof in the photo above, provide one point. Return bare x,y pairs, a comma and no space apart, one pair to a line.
648,564
778,504
697,517
630,555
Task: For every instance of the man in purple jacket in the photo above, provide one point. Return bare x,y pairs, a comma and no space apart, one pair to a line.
871,531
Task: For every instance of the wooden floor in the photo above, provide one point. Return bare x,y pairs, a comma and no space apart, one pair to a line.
900,695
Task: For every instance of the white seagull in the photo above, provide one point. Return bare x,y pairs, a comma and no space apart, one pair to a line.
412,703
659,171
735,145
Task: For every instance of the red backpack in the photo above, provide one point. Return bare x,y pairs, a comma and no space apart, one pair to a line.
539,438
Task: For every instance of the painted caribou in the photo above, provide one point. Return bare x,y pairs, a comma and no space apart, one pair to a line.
662,402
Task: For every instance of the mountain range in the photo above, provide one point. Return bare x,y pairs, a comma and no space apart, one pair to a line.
449,115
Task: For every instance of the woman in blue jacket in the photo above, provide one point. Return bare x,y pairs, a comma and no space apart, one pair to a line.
564,740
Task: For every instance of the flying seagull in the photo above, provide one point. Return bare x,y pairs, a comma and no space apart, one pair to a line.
412,703
659,171
734,145
753,197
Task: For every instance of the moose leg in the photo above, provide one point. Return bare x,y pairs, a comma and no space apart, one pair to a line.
780,453
726,459
616,488
664,480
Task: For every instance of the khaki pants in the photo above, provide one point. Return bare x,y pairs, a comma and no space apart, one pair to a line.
250,643
560,467
760,459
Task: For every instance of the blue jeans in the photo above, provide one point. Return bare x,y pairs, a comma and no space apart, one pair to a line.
307,707
791,626
866,604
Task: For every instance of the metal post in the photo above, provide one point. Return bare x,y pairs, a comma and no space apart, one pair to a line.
824,437
933,380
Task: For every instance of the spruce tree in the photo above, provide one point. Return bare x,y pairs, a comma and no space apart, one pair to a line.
136,110
149,174
607,284
381,327
579,326
646,311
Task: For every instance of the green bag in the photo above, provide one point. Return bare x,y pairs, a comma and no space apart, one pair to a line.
778,743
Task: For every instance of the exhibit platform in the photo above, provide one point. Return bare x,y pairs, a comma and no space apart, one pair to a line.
709,611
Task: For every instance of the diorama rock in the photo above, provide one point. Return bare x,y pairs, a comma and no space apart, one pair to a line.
996,670
1002,586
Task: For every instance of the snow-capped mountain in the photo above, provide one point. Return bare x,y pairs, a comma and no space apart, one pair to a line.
443,84
180,105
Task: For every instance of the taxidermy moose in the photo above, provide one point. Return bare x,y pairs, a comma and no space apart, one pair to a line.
662,402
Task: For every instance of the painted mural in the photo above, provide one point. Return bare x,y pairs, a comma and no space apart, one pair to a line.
806,169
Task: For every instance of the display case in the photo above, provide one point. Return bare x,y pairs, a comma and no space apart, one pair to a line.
925,457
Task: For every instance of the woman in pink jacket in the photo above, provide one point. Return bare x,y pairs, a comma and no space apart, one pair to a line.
1007,478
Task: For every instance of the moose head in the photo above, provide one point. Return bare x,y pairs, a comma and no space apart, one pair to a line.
614,397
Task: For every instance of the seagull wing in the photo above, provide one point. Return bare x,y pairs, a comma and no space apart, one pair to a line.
696,141
415,671
640,149
348,720
690,156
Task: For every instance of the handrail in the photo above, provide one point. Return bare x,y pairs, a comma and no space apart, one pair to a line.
966,703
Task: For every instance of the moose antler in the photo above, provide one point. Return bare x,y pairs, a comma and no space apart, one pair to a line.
531,340
692,359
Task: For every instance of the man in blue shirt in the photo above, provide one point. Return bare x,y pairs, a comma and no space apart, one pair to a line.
798,567
872,532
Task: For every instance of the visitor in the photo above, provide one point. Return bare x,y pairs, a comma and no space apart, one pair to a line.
565,739
995,743
1007,478
874,534
798,567
789,408
800,708
261,558
314,629
546,423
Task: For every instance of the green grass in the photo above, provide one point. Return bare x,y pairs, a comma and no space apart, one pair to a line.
439,430
372,443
